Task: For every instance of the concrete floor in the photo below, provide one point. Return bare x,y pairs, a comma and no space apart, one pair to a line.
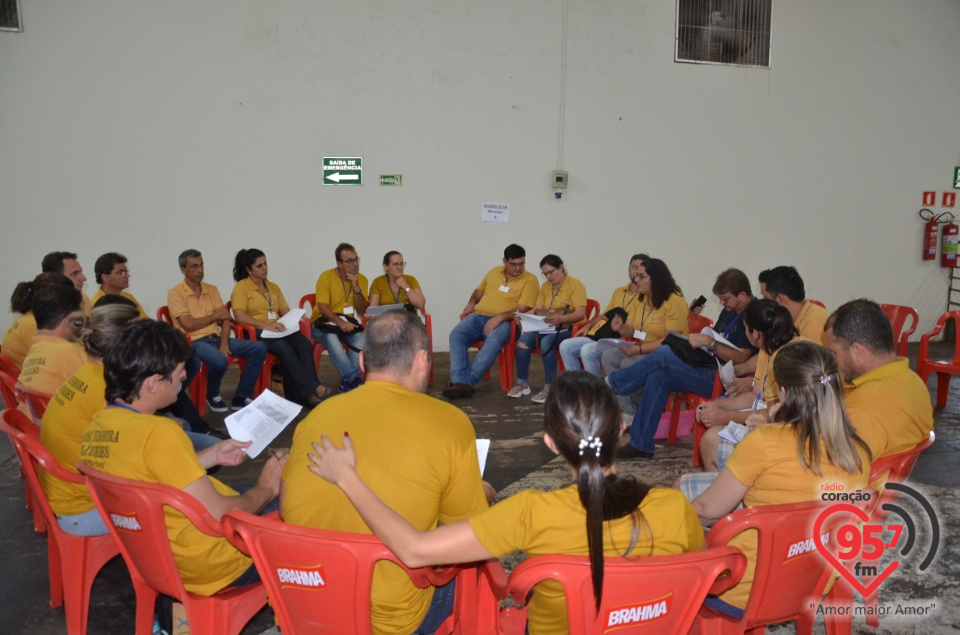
516,459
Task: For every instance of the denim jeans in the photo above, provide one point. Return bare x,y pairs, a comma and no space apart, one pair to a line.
347,362
577,348
207,349
547,341
440,607
465,333
659,374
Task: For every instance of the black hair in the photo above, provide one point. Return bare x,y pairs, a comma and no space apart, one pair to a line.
21,300
53,262
863,321
580,411
245,258
114,298
732,281
185,255
342,247
772,321
143,349
784,280
514,251
662,284
387,256
640,257
52,303
105,264
553,260
391,341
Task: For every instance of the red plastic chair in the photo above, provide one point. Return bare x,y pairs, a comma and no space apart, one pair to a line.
73,561
784,589
8,389
505,358
818,303
145,547
692,401
36,402
312,575
898,314
696,323
11,392
945,368
673,587
894,468
7,366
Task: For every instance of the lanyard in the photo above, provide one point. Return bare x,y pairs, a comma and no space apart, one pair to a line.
123,405
556,293
266,295
623,302
348,298
726,331
399,294
643,316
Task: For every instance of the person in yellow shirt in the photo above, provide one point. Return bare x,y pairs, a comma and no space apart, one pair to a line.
583,347
889,404
602,515
113,276
19,337
52,359
663,310
143,371
809,443
66,263
340,302
504,291
785,286
563,299
396,287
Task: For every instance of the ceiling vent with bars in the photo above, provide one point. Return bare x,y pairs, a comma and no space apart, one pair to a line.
10,15
733,32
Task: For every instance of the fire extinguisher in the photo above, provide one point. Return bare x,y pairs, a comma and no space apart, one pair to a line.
948,246
930,230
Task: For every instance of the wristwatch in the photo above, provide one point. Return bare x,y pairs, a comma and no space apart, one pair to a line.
713,347
407,289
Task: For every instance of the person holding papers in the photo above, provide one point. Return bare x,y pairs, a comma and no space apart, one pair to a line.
393,287
563,302
143,370
259,303
664,372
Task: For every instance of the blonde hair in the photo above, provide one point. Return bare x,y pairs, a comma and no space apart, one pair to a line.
97,330
813,404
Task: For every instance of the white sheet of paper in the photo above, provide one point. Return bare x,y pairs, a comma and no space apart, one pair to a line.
261,421
383,308
611,342
291,320
734,432
718,337
495,213
483,448
727,374
535,323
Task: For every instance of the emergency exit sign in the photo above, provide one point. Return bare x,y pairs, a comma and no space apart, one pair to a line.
342,171
956,178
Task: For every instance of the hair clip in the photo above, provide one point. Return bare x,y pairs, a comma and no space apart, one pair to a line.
825,379
591,442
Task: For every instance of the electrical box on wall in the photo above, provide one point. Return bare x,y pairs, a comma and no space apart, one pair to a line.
559,179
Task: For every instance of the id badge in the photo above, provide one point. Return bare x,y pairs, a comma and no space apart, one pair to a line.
504,288
272,315
640,335
348,310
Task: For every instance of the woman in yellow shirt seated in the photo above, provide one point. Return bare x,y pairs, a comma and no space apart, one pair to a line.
394,287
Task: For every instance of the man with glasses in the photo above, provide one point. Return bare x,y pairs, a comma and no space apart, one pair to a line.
341,300
113,276
489,314
663,372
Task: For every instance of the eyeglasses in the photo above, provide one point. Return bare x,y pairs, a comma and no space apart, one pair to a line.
351,261
516,264
726,299
121,272
547,274
641,276
398,264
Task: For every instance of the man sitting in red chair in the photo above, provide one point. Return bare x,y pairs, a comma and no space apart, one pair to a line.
143,372
889,404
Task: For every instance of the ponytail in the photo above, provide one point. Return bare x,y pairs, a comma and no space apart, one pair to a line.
245,258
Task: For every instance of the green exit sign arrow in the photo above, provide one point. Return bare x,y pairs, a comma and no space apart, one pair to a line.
342,171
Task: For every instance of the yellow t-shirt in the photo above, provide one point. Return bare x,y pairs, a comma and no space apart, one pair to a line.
181,300
622,297
541,523
890,408
571,294
70,412
417,453
19,337
85,304
670,316
764,380
247,297
99,294
336,292
811,320
521,290
381,287
51,361
766,461
154,449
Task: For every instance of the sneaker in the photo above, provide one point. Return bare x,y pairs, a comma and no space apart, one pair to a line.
458,391
217,404
518,391
240,402
629,452
541,396
347,386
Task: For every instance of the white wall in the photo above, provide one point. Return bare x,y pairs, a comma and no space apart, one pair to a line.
148,128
